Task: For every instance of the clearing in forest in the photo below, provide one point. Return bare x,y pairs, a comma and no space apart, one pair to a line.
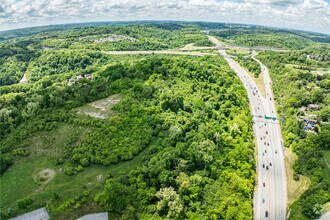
100,108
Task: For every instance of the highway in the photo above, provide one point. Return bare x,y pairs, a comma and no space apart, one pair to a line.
270,197
325,216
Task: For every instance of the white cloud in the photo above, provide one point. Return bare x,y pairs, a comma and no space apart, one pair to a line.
301,14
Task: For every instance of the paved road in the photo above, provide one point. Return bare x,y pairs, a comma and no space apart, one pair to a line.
270,196
192,53
325,216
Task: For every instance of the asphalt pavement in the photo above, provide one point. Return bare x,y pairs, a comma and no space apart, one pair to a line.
270,197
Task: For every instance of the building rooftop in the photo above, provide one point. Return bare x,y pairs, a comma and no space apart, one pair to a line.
39,214
95,216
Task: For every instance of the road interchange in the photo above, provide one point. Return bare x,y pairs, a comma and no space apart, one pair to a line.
270,197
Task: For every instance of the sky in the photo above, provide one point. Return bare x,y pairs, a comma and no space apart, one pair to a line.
312,15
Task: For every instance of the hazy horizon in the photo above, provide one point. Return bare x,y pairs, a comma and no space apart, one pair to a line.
136,21
306,15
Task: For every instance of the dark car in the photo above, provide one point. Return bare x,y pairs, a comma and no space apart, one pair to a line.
270,164
264,184
266,167
266,214
266,132
263,166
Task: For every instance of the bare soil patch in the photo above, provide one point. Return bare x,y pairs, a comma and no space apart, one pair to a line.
44,176
100,108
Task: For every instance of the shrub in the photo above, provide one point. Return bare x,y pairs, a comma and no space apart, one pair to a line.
23,204
69,171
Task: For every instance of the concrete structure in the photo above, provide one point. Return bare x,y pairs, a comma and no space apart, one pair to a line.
95,216
39,214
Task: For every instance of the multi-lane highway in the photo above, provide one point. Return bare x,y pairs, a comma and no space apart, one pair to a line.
270,195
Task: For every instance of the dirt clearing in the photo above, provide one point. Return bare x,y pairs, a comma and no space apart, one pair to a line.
100,108
44,176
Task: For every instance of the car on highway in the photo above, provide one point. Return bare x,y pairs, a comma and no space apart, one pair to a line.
275,151
264,184
270,164
263,200
266,214
266,132
266,167
263,165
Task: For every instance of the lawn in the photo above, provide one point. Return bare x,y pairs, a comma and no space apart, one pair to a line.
20,181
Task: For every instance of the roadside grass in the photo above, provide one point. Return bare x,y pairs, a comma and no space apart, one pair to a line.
196,48
237,51
294,188
19,180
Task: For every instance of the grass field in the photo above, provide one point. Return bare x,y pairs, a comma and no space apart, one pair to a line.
295,188
19,181
326,155
237,51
